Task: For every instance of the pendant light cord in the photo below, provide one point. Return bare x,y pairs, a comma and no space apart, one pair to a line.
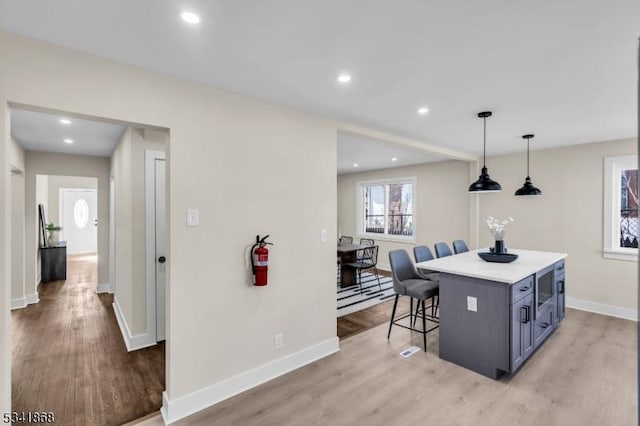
484,146
528,139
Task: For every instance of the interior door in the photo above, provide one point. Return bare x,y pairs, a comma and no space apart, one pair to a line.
79,213
161,229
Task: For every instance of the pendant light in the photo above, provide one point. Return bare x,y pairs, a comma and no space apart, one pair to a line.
528,188
484,182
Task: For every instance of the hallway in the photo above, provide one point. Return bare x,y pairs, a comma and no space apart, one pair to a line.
69,357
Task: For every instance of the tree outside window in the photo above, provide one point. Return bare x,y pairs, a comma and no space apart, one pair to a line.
387,208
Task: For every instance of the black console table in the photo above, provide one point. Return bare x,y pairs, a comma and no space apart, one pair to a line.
53,263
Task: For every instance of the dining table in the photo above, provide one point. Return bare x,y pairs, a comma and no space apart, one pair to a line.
348,253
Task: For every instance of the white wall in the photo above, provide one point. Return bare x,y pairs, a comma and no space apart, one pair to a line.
567,218
230,157
17,224
59,182
128,167
121,170
17,239
16,154
442,207
45,164
33,233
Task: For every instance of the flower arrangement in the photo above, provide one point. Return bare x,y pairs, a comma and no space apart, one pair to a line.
53,227
497,227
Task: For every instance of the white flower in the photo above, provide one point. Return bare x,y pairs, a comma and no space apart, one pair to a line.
497,227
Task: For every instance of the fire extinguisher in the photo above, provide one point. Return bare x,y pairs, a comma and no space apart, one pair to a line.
260,261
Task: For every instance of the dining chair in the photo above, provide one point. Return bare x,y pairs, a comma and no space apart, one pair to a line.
406,282
367,242
459,246
345,240
422,254
442,250
367,260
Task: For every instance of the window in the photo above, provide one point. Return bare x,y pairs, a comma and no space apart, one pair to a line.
621,207
387,208
81,213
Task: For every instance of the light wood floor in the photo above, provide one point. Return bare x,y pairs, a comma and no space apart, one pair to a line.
585,374
69,357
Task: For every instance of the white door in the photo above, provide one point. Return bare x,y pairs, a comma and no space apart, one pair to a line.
161,229
79,213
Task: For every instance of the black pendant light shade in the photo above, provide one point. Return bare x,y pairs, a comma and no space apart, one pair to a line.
484,182
528,188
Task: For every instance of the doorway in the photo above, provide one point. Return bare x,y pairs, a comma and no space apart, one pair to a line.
79,219
104,234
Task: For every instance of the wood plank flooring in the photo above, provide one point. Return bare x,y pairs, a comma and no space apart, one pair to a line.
357,322
585,374
69,357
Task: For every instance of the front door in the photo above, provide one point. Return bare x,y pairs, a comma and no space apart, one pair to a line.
79,213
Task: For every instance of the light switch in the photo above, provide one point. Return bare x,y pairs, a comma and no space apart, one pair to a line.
193,217
323,236
472,304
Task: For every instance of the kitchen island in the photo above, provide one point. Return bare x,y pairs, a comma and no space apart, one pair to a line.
493,316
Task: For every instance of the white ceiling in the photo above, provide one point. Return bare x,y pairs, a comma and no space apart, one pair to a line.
39,131
564,70
374,154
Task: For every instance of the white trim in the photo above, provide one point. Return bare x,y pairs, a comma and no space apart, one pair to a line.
601,308
413,180
132,343
612,168
629,254
175,409
150,156
18,303
103,288
32,298
23,302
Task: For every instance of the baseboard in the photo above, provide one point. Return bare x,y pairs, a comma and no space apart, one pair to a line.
18,303
179,408
383,266
132,343
23,302
103,288
32,298
601,308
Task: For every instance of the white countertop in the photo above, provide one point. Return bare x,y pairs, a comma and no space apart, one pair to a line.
469,264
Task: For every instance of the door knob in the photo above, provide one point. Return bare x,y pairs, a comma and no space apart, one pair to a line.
162,259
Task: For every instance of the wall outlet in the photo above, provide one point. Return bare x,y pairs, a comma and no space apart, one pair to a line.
323,236
193,217
279,341
472,304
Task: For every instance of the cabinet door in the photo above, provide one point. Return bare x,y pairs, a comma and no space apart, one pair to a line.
560,299
527,327
517,351
544,324
521,331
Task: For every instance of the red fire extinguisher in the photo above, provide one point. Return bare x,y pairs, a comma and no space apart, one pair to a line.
260,261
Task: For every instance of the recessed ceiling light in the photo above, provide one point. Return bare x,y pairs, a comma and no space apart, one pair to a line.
423,110
344,78
394,159
65,121
190,17
355,164
68,141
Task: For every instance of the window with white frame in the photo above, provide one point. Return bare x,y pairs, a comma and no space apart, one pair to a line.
621,207
387,208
